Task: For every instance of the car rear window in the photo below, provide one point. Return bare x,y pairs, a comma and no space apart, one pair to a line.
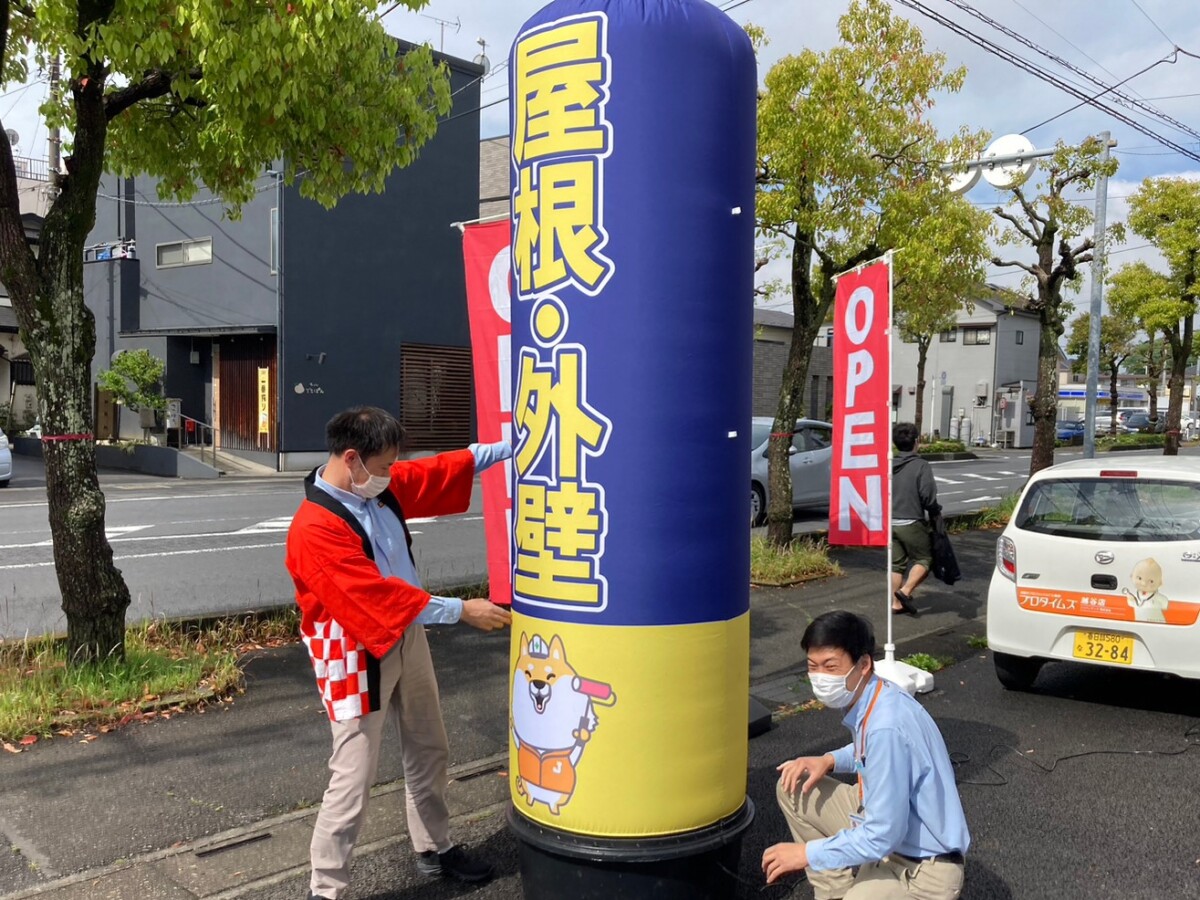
758,434
1113,509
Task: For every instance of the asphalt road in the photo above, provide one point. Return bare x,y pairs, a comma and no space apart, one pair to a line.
200,547
191,547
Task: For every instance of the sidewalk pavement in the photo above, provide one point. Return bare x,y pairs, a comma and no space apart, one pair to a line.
219,804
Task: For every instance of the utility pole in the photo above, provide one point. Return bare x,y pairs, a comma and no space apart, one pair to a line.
1093,357
54,143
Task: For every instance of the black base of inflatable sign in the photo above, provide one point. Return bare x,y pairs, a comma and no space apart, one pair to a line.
696,865
760,718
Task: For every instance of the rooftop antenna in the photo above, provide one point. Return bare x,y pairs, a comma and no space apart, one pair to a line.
443,23
481,59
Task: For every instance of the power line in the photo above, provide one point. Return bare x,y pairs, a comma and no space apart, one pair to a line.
1171,58
1048,77
1123,98
1152,22
1066,39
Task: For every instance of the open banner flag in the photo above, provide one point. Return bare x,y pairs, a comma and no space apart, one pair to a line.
487,256
862,365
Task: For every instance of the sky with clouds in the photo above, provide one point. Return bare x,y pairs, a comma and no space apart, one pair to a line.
1110,39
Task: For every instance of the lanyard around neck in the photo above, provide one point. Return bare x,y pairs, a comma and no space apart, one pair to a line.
860,758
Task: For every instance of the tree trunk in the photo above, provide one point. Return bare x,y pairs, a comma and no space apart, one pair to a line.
1045,401
922,357
60,333
809,314
1181,349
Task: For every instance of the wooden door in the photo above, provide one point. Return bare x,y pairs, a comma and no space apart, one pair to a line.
241,402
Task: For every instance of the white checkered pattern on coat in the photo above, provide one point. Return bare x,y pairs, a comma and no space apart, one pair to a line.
340,663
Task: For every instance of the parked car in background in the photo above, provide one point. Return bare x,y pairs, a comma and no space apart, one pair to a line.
1070,432
1141,422
5,460
1099,564
811,453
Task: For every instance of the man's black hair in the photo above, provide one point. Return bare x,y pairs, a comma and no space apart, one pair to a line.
842,630
904,436
367,429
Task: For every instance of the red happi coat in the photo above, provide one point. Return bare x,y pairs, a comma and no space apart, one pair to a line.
351,615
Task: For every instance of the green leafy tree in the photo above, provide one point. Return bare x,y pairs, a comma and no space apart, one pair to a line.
1118,339
938,271
1166,211
847,156
135,380
192,94
1137,291
1043,217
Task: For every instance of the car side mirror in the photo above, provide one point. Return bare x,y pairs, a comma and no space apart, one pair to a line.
792,451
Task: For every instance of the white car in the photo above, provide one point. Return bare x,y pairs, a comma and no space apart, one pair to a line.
5,460
811,454
1100,563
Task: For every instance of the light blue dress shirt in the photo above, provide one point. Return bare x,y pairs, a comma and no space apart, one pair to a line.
910,801
387,535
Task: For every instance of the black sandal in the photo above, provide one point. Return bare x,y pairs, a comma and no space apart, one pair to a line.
906,603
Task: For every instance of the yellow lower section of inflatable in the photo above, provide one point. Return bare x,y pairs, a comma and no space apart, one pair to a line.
624,731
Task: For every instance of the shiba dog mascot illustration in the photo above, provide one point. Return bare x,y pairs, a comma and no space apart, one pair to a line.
553,718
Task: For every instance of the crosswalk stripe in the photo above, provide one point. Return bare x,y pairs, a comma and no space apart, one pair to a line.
269,526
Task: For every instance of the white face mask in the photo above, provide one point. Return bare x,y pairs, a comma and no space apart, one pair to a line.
372,487
832,690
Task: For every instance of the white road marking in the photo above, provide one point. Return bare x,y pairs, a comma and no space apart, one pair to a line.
1011,474
940,480
269,526
981,499
980,477
43,565
950,493
108,500
112,531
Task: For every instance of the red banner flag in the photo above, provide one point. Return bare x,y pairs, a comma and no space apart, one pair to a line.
860,505
487,256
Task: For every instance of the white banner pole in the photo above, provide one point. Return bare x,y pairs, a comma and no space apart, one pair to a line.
889,649
910,678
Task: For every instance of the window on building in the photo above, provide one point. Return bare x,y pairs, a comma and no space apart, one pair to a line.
184,253
977,335
948,337
1078,378
435,396
1020,337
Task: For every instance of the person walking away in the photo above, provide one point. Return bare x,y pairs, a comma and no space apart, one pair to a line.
914,493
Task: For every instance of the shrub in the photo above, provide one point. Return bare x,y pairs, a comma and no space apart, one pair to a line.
942,447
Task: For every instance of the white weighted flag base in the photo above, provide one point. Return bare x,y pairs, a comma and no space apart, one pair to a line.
912,679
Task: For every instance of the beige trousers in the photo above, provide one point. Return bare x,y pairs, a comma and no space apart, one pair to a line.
823,813
408,697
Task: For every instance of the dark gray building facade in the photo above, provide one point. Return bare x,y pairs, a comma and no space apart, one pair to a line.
271,323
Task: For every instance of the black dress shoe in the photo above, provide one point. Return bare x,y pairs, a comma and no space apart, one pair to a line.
906,604
454,863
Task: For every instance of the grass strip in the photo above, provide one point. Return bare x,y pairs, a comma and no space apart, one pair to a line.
167,666
802,560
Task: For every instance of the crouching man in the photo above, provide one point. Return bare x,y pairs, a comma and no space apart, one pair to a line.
901,825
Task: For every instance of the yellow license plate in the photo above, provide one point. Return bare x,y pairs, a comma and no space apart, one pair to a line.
1104,647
